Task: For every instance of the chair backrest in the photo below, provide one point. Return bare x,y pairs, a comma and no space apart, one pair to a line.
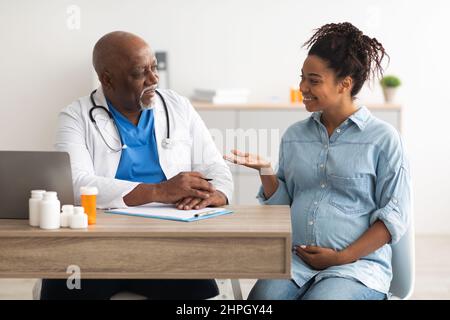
403,264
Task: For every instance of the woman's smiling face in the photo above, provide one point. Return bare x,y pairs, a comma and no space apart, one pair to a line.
319,86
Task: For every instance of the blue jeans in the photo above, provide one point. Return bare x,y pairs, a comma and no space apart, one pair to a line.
325,289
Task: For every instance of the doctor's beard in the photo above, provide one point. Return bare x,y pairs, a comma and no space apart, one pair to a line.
151,103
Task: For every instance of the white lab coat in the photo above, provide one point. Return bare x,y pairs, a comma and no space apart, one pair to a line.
93,164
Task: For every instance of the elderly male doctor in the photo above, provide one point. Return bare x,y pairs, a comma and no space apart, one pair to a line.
124,141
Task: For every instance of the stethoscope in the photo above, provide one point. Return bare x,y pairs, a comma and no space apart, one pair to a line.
166,142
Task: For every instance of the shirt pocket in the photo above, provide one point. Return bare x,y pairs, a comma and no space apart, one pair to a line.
351,195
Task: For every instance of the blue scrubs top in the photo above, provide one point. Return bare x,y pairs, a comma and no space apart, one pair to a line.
139,162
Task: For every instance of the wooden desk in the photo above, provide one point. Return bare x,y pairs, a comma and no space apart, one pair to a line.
252,242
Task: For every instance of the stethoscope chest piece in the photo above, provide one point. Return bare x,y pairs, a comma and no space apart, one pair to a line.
167,143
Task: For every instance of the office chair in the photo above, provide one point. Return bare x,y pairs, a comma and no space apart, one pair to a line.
403,264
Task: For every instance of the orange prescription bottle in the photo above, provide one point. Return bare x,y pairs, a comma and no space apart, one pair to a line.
296,95
89,202
300,96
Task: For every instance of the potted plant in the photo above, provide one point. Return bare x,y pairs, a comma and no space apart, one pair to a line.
389,84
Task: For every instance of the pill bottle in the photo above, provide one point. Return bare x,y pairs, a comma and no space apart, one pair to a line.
296,95
33,207
89,202
79,219
49,211
66,215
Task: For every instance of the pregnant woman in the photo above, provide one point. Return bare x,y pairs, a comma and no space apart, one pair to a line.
344,174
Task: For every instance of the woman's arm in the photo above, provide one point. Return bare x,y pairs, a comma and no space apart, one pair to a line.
269,181
374,238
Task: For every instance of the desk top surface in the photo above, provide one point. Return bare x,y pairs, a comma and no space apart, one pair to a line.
245,220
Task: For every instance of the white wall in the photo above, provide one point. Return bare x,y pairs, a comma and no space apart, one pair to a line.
256,44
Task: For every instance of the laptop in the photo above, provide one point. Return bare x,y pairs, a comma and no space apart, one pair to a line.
23,171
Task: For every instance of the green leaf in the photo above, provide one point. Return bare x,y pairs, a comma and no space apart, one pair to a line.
390,81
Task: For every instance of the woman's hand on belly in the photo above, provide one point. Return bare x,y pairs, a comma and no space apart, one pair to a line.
319,258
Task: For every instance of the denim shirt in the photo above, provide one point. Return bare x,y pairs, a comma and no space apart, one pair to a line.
338,186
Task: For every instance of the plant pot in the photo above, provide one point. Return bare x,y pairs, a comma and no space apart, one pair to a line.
389,94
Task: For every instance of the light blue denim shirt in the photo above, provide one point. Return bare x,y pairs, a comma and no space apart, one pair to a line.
338,186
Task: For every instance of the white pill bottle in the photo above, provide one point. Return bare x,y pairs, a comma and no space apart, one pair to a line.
50,214
33,206
79,219
66,215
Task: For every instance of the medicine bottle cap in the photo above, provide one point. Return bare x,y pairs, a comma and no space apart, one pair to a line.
50,195
88,191
67,208
78,210
37,193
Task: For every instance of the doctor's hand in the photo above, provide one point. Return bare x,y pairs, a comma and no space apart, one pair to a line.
249,160
216,199
319,258
184,185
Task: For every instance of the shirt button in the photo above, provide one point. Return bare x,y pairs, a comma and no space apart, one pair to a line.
311,223
321,165
325,146
316,203
394,201
322,185
338,130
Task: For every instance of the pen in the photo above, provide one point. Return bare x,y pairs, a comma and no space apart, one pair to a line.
201,214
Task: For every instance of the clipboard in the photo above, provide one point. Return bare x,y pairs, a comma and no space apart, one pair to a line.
170,212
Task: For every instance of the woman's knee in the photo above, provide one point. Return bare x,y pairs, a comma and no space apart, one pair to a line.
273,289
341,289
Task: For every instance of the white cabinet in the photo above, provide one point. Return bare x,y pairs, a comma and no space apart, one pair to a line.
258,129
